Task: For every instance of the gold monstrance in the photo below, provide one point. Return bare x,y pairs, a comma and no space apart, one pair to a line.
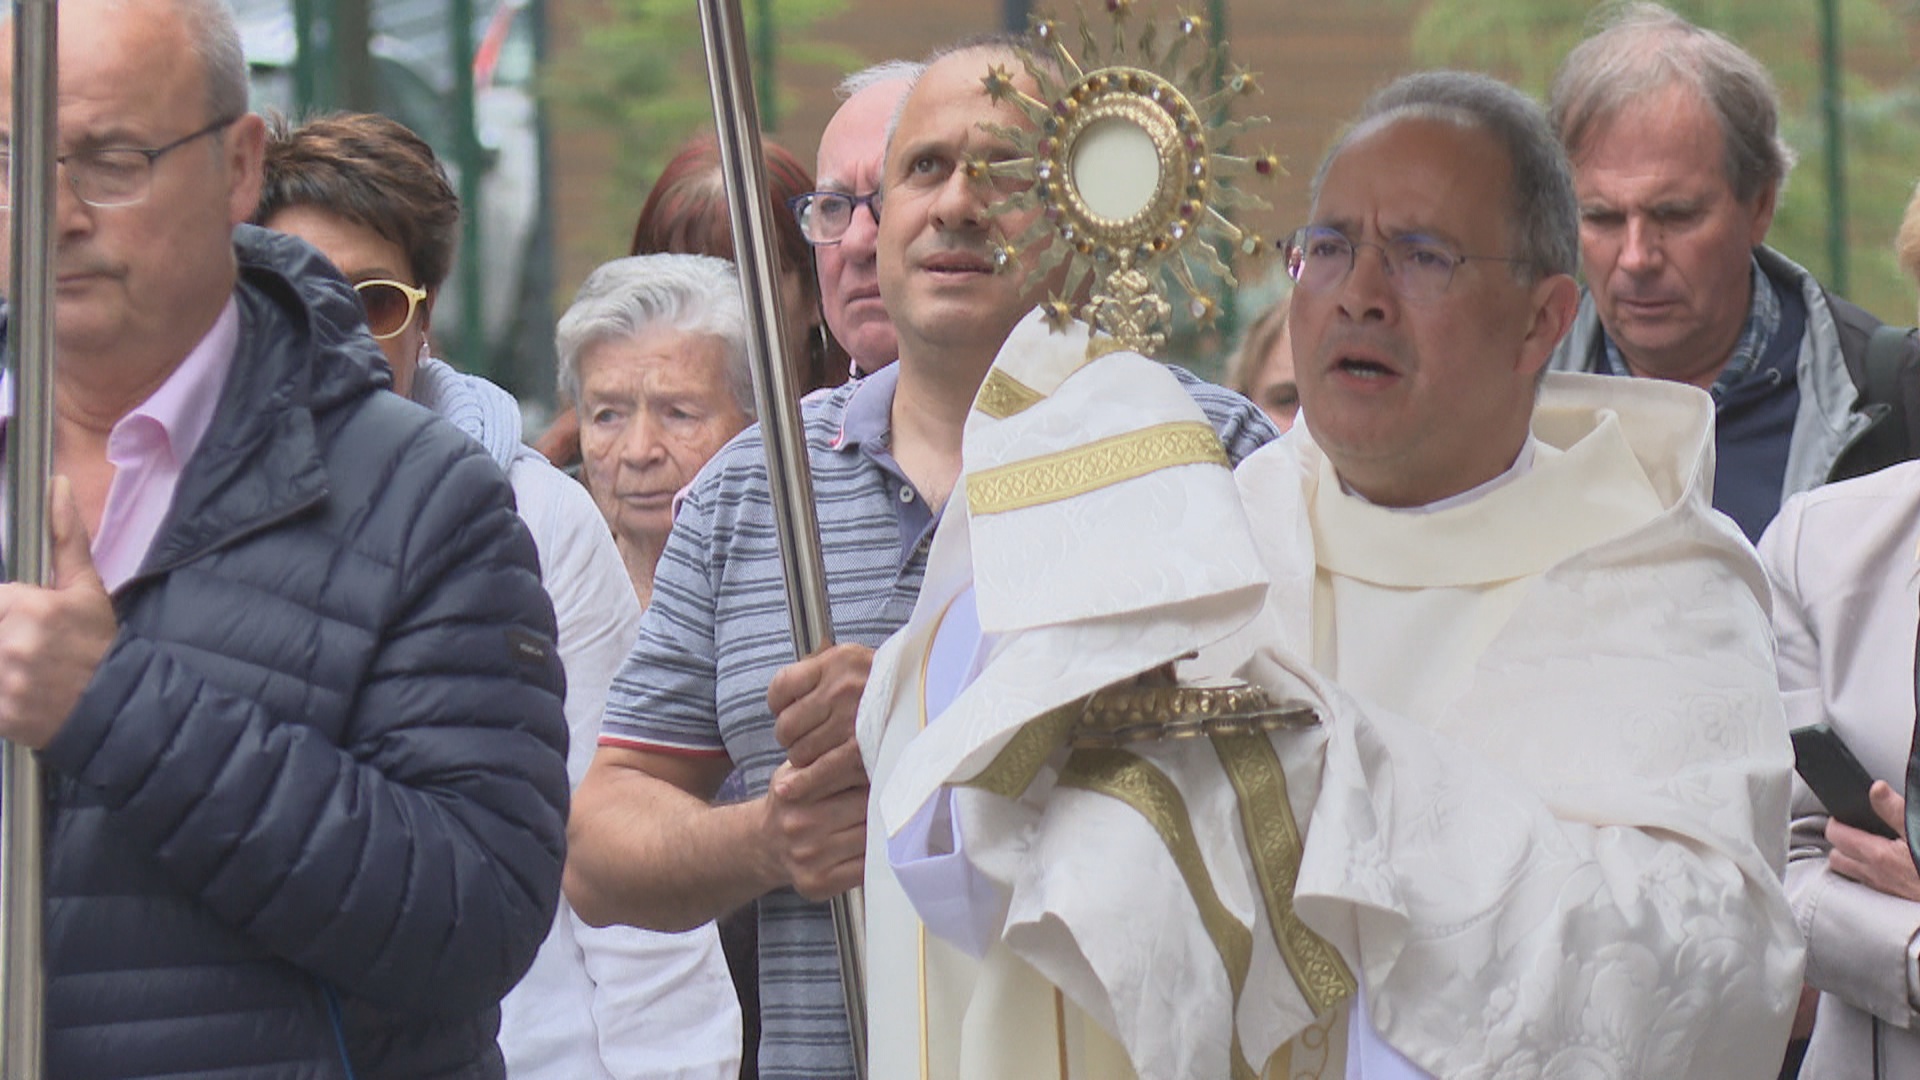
1133,186
1129,173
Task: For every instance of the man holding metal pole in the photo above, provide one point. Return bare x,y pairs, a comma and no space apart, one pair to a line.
710,685
294,685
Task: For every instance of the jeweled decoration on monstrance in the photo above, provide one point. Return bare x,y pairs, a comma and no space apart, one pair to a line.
1128,171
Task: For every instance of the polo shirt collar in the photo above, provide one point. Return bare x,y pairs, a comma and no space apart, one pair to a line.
868,417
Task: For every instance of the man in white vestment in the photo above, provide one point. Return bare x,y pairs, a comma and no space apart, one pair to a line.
1538,826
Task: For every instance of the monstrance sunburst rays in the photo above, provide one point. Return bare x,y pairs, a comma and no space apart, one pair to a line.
1131,176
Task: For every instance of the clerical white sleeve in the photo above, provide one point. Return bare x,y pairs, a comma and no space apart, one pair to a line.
928,854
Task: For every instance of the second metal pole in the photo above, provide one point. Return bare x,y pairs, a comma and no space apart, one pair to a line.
28,549
744,168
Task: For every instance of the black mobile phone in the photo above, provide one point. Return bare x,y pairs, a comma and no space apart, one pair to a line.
1837,778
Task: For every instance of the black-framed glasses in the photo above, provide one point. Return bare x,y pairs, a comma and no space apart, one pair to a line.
389,305
109,176
825,215
1419,267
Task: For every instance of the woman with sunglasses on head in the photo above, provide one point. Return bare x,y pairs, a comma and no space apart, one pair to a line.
597,1004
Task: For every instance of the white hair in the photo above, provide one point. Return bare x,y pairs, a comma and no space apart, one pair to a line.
886,71
223,63
625,298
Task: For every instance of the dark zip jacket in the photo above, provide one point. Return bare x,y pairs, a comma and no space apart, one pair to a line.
307,820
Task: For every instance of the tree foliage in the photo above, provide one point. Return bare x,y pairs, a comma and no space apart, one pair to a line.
640,76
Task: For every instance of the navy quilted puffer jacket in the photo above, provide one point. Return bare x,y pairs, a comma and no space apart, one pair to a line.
307,820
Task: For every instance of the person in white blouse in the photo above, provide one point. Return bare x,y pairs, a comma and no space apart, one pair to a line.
1845,564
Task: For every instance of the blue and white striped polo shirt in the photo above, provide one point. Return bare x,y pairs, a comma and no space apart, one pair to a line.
717,631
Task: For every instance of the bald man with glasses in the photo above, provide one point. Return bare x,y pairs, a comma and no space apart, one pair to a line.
842,219
712,683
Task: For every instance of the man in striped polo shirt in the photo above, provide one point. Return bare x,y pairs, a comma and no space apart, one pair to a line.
711,684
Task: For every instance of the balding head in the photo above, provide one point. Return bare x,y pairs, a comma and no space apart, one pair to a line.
146,259
942,231
851,149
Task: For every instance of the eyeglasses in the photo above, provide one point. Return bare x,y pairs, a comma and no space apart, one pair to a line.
109,176
389,305
1419,267
825,215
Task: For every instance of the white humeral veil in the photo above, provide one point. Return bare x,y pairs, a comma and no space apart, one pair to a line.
1541,821
1057,580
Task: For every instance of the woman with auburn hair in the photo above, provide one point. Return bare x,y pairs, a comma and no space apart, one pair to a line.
686,214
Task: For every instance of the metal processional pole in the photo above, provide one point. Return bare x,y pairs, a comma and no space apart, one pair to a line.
29,450
744,168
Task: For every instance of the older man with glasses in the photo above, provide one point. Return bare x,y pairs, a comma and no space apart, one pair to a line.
1679,163
844,239
295,685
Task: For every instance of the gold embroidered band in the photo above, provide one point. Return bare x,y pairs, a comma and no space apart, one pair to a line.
1002,395
1014,768
1089,468
1273,841
1137,783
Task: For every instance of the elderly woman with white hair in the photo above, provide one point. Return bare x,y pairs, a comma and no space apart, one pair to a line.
654,354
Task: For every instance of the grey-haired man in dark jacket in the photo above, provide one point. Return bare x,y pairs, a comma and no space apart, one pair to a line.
294,685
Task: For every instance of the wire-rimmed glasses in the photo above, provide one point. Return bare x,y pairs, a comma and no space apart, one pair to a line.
109,176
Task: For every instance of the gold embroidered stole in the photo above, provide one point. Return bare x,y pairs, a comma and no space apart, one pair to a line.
1273,837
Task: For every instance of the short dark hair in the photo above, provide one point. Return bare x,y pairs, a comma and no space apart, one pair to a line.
1544,215
371,171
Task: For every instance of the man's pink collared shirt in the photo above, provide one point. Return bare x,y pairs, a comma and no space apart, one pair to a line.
150,445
